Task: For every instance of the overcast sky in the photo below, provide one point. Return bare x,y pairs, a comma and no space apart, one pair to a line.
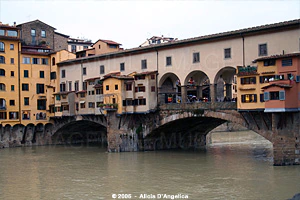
132,22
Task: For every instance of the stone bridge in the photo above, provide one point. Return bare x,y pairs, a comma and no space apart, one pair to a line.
183,125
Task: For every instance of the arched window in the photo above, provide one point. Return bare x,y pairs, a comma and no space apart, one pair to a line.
53,61
2,87
2,72
2,59
2,47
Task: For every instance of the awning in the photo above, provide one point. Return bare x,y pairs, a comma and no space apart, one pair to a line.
81,101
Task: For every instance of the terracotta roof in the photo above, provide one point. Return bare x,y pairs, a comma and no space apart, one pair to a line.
145,73
66,36
8,27
82,91
66,92
92,79
277,85
108,42
205,38
112,74
296,54
36,21
98,86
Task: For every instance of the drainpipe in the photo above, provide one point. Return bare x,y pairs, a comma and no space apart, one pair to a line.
19,80
243,49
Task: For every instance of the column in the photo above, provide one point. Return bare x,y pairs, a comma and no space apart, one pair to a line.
184,94
212,89
199,92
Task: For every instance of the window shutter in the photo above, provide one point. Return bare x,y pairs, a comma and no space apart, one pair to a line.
261,79
266,96
136,89
136,102
282,95
255,98
37,89
124,102
243,98
297,78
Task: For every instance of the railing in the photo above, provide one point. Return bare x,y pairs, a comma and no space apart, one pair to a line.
200,105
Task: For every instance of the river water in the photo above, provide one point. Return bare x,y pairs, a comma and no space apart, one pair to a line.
231,171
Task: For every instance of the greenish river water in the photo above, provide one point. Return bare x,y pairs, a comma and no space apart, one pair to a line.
89,172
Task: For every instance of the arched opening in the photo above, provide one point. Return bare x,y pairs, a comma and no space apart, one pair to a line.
2,72
53,61
2,59
2,87
197,86
225,84
81,132
169,90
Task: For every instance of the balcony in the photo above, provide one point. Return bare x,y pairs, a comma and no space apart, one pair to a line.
109,106
41,116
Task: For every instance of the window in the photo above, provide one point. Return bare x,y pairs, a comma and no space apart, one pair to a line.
65,107
33,32
270,62
196,57
2,32
25,73
2,47
53,75
2,59
107,87
262,50
82,105
12,102
25,87
113,46
99,91
248,80
41,104
57,97
168,61
76,86
91,104
249,98
144,64
152,76
12,33
116,87
12,47
82,94
140,77
42,74
26,60
128,102
43,33
73,48
70,85
12,73
63,73
53,61
63,96
62,87
12,61
12,88
35,61
2,72
286,62
85,47
13,115
102,69
152,88
44,61
140,89
122,66
141,101
84,85
40,88
99,46
84,71
3,115
128,86
25,114
227,53
26,101
2,87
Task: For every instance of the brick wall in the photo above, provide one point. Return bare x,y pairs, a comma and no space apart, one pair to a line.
60,42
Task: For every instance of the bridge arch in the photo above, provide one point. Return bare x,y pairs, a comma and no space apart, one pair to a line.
225,82
169,88
80,131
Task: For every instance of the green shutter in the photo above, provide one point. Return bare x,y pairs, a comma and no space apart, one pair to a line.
282,95
266,96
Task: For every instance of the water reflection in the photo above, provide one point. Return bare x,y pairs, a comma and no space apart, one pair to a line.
79,172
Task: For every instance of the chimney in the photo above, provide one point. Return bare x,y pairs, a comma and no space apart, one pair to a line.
15,24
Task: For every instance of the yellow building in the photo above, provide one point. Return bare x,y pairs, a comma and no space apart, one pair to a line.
250,81
9,74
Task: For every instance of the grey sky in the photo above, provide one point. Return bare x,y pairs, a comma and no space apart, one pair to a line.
132,22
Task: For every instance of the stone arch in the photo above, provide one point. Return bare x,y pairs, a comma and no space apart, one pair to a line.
17,135
80,131
28,132
197,83
169,88
225,83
